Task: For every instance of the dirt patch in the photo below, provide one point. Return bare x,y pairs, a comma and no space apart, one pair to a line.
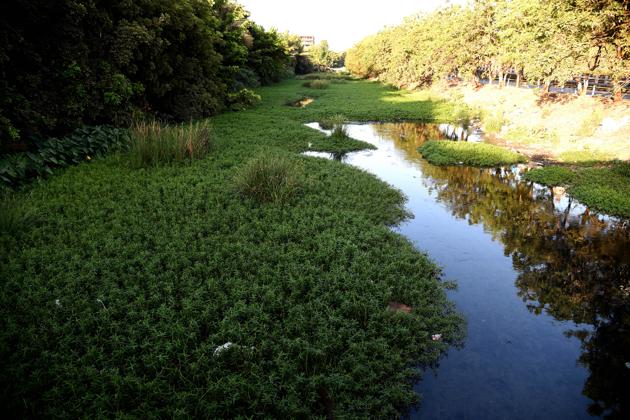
300,103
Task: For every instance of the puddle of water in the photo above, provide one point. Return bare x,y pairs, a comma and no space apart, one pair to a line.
543,282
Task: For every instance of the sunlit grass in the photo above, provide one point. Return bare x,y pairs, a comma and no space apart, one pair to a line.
472,154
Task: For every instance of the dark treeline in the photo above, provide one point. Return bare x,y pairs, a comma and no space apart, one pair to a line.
550,41
67,63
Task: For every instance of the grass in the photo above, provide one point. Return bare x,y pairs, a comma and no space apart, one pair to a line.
584,156
603,188
471,154
154,144
269,178
124,282
493,122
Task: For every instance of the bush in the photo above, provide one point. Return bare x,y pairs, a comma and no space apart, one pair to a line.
153,144
243,99
82,145
269,178
317,84
443,152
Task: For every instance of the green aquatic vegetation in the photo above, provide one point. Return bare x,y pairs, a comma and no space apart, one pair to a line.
551,175
463,153
126,281
603,188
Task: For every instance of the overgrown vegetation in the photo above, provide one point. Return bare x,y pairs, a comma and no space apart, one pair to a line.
440,152
153,143
550,41
121,292
604,188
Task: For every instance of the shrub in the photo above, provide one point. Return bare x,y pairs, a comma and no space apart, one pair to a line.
269,178
442,152
82,145
317,84
243,99
551,176
153,144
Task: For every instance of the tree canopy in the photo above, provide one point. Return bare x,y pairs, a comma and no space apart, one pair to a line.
65,63
549,41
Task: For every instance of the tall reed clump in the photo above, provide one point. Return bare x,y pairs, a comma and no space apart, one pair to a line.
12,216
153,143
336,124
269,178
317,84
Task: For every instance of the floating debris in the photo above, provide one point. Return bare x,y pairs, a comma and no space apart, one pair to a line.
399,307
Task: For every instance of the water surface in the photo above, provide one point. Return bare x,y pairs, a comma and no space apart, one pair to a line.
543,282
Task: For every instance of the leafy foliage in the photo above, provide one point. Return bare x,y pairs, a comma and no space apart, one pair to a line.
82,145
472,154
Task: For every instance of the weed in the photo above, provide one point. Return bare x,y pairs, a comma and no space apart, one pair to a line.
336,124
154,144
443,152
493,123
269,178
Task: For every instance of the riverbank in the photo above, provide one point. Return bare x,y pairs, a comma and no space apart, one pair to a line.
556,127
163,292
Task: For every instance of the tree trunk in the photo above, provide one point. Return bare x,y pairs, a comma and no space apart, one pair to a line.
546,87
584,87
518,78
501,84
617,93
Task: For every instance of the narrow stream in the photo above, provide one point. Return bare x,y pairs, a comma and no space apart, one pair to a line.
544,284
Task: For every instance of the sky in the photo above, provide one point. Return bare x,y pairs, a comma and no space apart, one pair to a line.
341,22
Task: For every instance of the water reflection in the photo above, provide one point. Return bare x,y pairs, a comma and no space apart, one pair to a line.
571,264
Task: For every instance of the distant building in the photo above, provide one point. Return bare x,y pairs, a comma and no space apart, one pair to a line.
307,40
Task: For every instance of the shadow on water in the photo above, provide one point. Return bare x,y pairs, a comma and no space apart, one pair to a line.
570,267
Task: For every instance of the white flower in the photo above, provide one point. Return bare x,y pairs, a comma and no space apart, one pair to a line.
436,337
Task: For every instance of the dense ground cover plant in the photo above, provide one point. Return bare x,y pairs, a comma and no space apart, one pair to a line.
605,188
464,153
123,283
